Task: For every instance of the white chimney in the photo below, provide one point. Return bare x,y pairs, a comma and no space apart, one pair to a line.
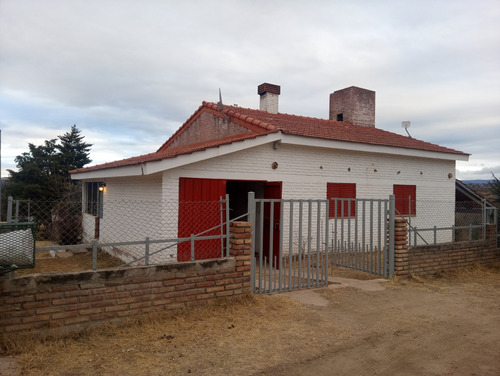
269,97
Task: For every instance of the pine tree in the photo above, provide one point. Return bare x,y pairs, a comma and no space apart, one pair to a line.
73,152
43,171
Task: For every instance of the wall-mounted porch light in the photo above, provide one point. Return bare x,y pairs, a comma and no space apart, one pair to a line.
101,187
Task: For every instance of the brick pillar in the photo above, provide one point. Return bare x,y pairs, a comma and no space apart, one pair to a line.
401,261
240,247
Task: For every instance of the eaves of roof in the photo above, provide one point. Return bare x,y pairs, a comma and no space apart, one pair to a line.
170,152
260,123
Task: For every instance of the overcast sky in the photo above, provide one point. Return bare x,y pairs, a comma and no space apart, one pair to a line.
129,73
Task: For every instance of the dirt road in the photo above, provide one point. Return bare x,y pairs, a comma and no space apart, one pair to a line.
449,326
443,328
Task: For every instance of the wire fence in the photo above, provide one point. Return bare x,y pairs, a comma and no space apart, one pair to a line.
435,222
168,227
149,232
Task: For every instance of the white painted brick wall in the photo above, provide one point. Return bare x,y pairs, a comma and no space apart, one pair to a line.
304,171
134,210
88,227
269,102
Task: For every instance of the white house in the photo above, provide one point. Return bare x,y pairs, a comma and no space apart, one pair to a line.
231,150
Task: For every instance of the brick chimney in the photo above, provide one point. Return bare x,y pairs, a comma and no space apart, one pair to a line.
269,97
353,105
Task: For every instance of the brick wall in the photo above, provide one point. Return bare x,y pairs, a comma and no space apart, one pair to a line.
429,260
71,301
356,105
207,127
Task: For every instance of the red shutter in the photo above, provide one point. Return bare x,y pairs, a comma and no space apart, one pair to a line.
403,194
341,190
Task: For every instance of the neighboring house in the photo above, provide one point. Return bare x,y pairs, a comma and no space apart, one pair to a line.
466,194
471,209
231,150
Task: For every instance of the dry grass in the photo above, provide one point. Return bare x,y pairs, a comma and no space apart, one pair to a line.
464,275
171,343
339,271
225,337
68,262
236,336
471,277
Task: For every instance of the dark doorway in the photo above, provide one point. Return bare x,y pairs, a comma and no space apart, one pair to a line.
238,195
238,199
272,219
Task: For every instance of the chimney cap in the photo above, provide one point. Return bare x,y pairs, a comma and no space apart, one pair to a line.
268,88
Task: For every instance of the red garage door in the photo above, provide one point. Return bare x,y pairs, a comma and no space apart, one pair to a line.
199,210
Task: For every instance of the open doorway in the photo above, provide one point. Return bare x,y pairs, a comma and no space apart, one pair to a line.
238,199
238,195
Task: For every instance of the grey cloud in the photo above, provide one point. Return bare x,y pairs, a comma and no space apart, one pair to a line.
144,67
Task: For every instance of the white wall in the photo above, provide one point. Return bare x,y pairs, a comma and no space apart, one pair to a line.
147,205
88,226
305,171
133,210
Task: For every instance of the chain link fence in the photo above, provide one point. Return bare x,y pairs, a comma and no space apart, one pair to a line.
148,232
435,222
158,230
59,222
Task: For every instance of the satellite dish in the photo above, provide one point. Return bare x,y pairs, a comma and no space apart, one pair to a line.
406,125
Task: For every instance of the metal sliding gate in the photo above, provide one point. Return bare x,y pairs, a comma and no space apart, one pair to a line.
294,242
289,243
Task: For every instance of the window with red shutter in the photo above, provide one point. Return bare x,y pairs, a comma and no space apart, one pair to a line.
404,194
341,190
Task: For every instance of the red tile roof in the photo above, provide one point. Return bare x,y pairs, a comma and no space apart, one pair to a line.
338,131
262,122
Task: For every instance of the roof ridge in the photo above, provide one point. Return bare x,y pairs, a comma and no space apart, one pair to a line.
231,111
291,115
313,118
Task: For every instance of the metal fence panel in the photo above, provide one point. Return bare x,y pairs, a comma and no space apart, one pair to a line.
361,233
289,243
